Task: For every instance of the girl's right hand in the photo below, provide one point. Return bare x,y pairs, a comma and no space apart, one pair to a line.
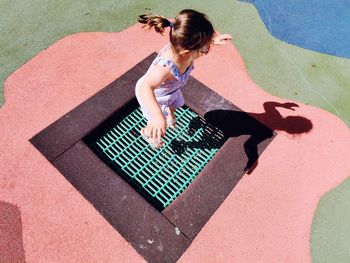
156,127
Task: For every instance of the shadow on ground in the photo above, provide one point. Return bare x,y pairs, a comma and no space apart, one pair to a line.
237,123
11,240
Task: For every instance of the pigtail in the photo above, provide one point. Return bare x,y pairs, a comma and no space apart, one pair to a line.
158,22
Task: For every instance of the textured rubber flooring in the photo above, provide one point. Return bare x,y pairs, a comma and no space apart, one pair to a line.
284,70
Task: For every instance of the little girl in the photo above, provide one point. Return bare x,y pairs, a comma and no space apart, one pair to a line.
159,90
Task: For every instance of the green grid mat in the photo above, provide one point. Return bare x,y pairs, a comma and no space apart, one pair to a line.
160,175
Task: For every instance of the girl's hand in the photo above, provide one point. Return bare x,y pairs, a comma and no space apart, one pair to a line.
156,127
290,105
221,39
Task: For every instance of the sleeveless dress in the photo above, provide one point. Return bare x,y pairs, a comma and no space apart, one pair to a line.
169,93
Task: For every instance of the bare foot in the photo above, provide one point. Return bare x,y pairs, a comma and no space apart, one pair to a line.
171,120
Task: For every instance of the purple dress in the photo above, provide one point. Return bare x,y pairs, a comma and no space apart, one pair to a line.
169,93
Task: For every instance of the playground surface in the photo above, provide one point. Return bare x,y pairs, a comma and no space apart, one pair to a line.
292,207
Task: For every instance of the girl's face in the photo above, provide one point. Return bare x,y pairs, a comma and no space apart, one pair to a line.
204,50
200,52
194,54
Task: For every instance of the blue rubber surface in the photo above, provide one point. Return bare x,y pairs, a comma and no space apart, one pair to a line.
309,23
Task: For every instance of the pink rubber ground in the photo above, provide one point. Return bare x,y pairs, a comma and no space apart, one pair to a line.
266,218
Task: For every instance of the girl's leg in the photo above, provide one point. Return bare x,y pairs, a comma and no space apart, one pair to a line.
171,119
177,102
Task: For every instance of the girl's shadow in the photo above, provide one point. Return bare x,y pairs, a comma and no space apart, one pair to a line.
237,123
203,136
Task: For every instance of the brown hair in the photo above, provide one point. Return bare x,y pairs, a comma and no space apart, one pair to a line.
191,30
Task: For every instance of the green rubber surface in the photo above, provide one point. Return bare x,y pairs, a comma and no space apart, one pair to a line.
330,232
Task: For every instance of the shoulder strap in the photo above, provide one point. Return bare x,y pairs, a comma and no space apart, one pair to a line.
167,63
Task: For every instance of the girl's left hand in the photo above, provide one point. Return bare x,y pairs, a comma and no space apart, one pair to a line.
221,39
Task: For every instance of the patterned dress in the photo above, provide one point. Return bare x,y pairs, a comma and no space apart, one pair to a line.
169,93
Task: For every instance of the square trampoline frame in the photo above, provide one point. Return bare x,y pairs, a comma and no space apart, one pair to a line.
157,236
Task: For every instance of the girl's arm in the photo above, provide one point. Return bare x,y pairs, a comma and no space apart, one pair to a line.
156,126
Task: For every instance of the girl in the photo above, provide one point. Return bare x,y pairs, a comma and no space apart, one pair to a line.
159,90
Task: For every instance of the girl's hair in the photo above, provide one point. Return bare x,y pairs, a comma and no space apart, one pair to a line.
191,30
